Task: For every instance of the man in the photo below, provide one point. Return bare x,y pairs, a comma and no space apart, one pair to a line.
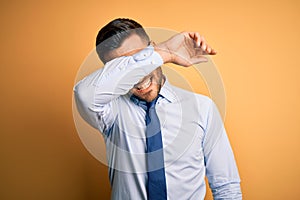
161,140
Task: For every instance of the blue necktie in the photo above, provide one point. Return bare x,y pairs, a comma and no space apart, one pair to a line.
156,185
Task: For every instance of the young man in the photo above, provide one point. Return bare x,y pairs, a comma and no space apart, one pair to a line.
161,140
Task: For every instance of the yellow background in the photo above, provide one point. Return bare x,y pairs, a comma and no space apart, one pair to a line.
43,44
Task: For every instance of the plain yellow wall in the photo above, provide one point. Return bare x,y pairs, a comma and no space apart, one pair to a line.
43,43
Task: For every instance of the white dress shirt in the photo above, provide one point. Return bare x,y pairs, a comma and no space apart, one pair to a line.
194,139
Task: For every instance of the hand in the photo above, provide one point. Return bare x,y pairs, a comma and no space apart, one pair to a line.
185,49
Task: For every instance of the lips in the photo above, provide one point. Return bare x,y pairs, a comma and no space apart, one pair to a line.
145,84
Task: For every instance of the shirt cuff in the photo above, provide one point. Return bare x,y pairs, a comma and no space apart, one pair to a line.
149,56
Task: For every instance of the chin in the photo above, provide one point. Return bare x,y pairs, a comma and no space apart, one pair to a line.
147,97
151,96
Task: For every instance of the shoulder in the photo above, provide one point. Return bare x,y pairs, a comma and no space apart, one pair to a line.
193,103
186,95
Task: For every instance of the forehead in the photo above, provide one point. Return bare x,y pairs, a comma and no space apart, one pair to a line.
131,45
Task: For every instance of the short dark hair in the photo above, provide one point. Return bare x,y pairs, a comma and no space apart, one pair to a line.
112,35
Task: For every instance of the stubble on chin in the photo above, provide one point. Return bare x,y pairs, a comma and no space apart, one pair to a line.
151,95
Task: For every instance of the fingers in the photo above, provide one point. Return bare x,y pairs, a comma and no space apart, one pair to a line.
196,37
213,52
207,50
201,43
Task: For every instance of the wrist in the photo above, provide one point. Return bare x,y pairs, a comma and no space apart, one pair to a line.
163,50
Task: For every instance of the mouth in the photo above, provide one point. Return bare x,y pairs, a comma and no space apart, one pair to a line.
144,85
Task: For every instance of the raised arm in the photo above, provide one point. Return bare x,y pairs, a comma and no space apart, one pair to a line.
95,93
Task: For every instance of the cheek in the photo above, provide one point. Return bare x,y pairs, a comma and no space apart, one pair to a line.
132,90
135,92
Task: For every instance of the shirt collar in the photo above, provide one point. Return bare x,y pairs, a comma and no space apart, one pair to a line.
167,92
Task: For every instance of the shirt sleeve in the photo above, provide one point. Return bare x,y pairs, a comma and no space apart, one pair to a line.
96,94
221,169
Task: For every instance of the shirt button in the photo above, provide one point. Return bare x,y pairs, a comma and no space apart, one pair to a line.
152,62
